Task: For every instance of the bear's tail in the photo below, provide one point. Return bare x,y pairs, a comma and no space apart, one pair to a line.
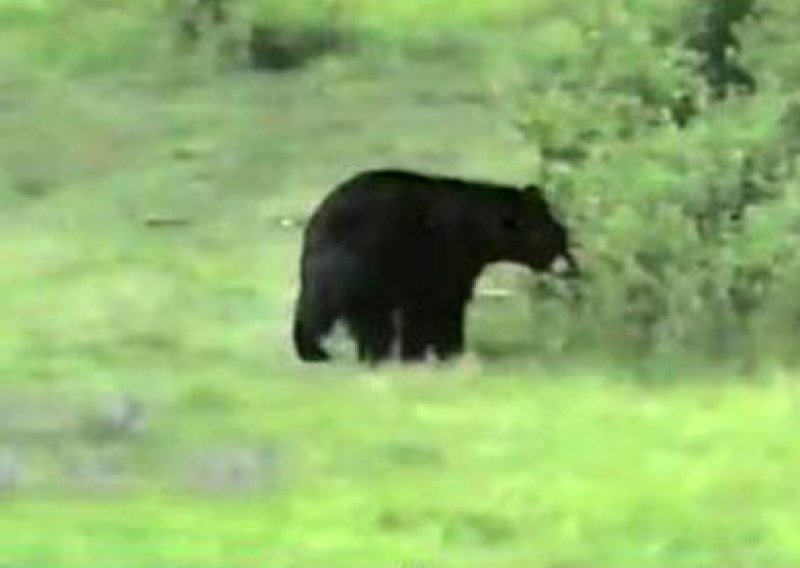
307,334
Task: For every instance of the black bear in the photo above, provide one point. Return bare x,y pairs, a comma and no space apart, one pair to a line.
396,252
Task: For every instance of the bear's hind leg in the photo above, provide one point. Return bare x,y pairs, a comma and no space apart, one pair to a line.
311,323
373,331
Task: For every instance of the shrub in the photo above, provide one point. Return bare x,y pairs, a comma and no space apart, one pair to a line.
688,230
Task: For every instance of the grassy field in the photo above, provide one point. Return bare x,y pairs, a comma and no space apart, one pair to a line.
152,412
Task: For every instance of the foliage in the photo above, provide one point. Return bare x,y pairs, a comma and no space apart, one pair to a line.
151,199
152,193
688,223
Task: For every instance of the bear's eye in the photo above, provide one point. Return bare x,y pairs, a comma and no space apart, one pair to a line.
513,223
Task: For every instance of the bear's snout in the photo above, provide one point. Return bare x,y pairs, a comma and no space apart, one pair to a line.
565,266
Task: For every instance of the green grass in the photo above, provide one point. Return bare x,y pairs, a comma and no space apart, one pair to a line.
152,412
465,468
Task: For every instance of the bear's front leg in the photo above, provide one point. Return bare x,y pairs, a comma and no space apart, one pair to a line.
448,330
415,337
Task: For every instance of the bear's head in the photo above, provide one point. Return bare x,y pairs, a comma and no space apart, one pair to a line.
527,232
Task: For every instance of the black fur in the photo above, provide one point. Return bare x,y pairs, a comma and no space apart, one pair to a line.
395,252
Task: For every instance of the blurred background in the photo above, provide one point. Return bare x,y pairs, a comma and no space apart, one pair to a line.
158,160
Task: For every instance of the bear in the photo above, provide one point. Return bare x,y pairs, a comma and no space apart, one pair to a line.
397,253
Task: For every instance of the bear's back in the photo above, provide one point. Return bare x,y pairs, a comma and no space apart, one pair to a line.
372,191
388,209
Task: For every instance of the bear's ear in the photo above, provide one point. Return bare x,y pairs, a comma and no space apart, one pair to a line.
533,191
534,194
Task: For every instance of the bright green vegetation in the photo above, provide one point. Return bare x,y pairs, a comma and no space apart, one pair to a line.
152,195
459,469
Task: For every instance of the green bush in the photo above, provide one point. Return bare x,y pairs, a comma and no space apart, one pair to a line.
688,229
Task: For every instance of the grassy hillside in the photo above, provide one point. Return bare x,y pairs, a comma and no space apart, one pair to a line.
152,193
459,469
